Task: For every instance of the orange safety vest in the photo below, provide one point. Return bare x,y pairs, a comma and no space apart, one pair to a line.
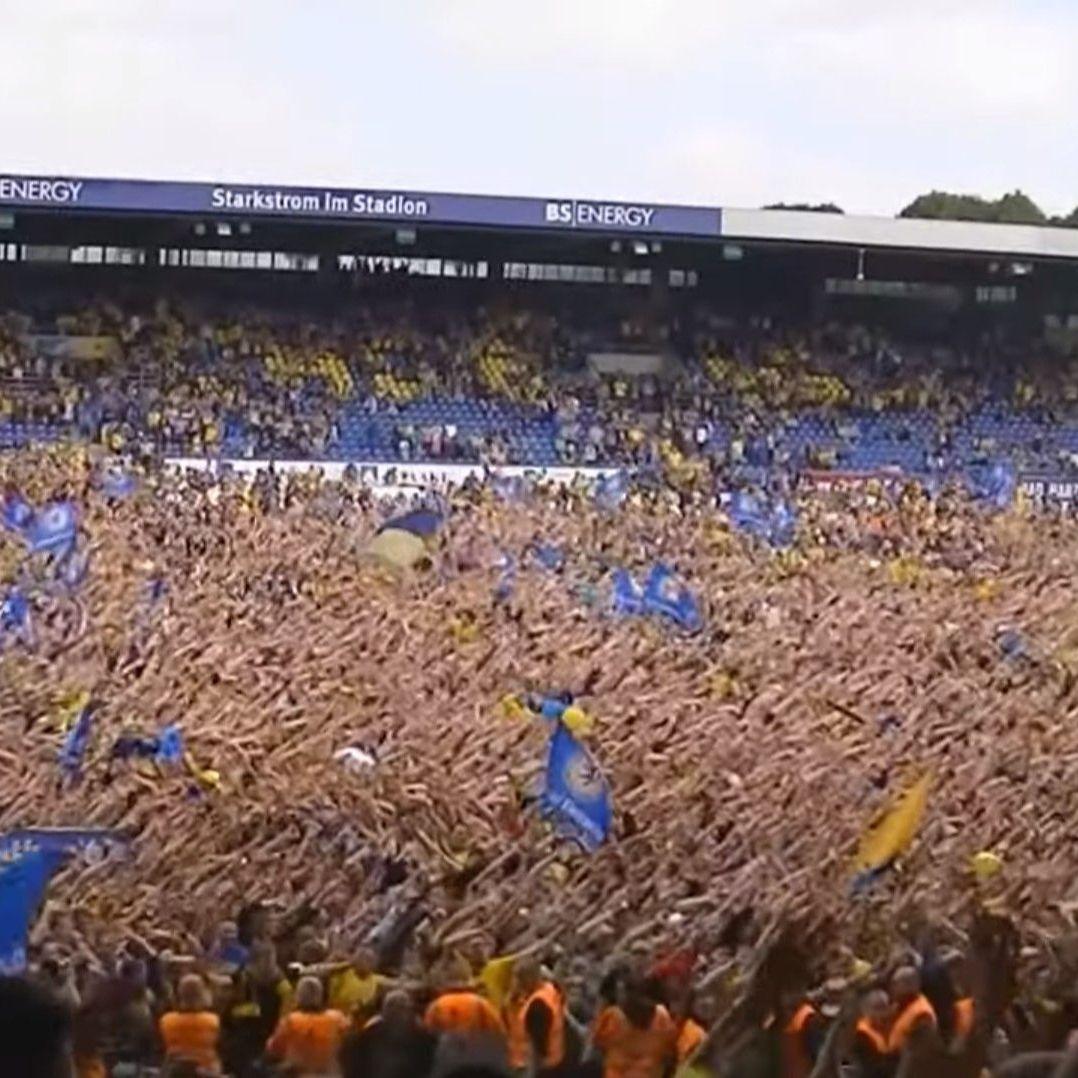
520,1047
462,1012
873,1036
631,1052
309,1041
90,1067
963,1017
689,1038
796,1062
192,1036
917,1010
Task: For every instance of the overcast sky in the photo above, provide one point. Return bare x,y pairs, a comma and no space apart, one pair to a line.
717,102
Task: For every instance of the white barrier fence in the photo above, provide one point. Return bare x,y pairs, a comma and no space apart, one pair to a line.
392,479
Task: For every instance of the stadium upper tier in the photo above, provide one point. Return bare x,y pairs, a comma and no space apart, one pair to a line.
457,384
90,195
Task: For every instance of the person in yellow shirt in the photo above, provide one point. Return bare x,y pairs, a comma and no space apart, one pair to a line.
354,990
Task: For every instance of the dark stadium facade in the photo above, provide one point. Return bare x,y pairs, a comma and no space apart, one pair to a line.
930,275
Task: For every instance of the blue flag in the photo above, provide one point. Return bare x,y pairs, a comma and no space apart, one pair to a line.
664,594
509,488
15,617
52,529
165,748
628,597
16,513
77,742
549,556
773,522
73,569
610,490
422,522
170,745
995,485
118,484
23,882
575,794
783,523
28,861
507,577
551,708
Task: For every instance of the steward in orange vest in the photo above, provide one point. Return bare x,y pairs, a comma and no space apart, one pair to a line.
802,1035
870,1037
464,1012
535,1019
964,1016
914,1010
689,1037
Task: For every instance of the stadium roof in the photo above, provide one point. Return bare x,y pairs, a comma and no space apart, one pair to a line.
969,237
554,215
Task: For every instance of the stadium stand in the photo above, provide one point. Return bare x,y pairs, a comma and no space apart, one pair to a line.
749,756
263,384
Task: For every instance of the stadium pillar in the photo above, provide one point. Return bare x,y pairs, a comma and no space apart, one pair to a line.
659,296
328,274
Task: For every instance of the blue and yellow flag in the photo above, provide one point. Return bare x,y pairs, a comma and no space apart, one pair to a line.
575,794
77,742
405,540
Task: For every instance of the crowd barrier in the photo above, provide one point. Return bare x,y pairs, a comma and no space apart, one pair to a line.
392,477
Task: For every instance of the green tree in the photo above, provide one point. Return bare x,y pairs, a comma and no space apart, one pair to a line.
809,207
945,206
1070,221
1016,207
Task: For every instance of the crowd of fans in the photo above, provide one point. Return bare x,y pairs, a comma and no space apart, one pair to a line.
351,769
271,999
356,794
191,377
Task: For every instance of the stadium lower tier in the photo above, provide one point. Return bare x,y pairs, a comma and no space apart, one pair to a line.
466,431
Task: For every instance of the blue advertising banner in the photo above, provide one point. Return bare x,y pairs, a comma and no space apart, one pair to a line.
151,196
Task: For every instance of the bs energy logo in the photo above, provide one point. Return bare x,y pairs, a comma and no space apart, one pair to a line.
598,215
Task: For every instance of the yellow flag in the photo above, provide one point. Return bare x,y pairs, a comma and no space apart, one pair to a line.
496,979
208,779
463,630
68,706
893,832
512,707
905,571
577,721
985,864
